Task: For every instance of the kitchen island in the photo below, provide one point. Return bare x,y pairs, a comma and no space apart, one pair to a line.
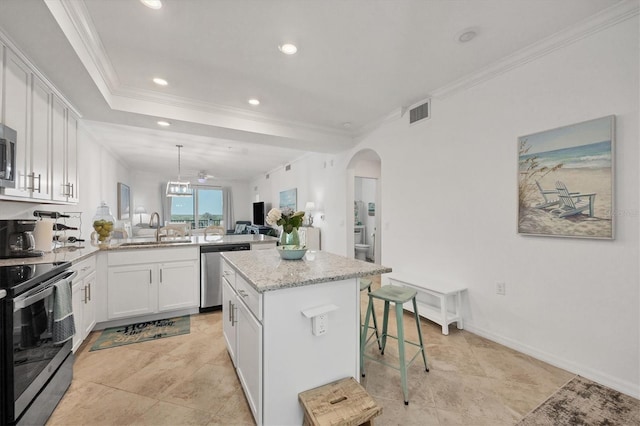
291,325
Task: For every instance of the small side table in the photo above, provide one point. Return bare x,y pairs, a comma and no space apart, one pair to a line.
341,403
448,296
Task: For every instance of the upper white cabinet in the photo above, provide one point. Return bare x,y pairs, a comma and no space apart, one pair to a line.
64,154
16,91
39,180
46,151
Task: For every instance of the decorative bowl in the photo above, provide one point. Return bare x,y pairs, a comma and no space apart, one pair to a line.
291,252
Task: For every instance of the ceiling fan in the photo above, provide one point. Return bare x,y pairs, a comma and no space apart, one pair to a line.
203,176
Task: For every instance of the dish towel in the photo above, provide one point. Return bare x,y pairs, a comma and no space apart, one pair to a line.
63,324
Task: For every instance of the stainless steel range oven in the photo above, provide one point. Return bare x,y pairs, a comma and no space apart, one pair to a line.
36,360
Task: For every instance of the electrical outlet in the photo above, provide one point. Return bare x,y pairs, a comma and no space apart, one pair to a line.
320,324
501,288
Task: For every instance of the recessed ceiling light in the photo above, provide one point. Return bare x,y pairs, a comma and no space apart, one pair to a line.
152,4
466,35
160,81
164,123
254,102
288,48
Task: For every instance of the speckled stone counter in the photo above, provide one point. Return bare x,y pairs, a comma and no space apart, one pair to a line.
200,240
266,271
77,253
71,254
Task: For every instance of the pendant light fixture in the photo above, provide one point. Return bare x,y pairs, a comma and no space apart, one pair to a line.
178,188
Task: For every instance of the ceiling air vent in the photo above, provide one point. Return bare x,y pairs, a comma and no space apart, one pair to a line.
287,167
420,112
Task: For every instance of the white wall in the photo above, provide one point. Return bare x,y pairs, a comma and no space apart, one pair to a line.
449,207
573,302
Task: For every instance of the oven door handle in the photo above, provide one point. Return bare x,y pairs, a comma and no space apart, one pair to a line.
24,301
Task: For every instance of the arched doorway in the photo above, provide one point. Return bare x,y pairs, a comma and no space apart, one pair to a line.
364,206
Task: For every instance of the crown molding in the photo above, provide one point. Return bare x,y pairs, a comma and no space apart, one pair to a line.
74,20
607,18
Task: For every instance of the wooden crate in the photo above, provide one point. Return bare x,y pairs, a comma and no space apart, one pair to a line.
344,403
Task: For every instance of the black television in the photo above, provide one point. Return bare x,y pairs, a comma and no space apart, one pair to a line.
259,213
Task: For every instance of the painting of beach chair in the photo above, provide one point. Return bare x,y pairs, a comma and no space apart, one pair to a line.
549,197
573,203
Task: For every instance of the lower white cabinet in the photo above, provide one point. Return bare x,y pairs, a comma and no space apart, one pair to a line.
131,291
83,300
249,357
273,348
243,336
228,324
141,282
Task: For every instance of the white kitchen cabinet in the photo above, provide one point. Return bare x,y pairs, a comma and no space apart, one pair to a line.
249,357
16,93
269,336
83,299
37,180
242,332
172,293
229,329
64,153
131,291
46,145
149,281
71,165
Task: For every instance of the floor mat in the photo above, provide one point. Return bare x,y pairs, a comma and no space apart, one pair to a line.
142,332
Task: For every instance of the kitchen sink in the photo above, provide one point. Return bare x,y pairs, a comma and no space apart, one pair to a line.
155,243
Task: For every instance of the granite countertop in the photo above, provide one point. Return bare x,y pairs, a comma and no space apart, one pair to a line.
266,271
71,254
78,253
199,240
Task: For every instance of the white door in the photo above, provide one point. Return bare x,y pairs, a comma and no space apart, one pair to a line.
38,178
249,356
89,312
178,286
60,187
16,103
228,320
131,291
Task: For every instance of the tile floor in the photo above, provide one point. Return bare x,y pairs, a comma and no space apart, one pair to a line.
189,379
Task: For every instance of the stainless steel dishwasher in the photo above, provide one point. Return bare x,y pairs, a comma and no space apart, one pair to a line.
210,283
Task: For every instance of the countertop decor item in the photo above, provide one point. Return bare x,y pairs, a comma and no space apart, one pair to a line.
291,252
290,222
103,224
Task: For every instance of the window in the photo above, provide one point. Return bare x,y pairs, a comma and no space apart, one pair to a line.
201,210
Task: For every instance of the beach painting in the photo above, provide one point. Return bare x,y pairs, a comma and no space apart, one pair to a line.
565,181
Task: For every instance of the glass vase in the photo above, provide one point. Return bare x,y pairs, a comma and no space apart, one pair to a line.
290,238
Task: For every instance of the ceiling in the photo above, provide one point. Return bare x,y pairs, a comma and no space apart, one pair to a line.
358,62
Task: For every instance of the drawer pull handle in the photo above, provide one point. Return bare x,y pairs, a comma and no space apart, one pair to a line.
243,293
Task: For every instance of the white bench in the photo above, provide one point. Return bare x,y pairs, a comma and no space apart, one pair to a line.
437,301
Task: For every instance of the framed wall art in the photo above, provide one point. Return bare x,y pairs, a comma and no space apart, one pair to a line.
124,201
289,198
565,181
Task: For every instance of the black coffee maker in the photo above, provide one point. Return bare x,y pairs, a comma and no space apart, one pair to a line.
16,239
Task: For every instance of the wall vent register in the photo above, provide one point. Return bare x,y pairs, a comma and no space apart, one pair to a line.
420,112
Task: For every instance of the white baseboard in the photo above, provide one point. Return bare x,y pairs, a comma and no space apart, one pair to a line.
624,386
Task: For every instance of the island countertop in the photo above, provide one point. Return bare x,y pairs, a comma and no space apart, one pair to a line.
266,271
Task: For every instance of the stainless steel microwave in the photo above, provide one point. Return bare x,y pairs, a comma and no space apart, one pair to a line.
7,156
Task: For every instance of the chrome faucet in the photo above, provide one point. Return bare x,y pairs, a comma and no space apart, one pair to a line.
157,216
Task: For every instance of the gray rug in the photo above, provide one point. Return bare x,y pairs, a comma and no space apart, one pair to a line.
583,402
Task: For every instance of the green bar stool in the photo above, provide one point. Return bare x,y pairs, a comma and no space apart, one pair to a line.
365,284
399,296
